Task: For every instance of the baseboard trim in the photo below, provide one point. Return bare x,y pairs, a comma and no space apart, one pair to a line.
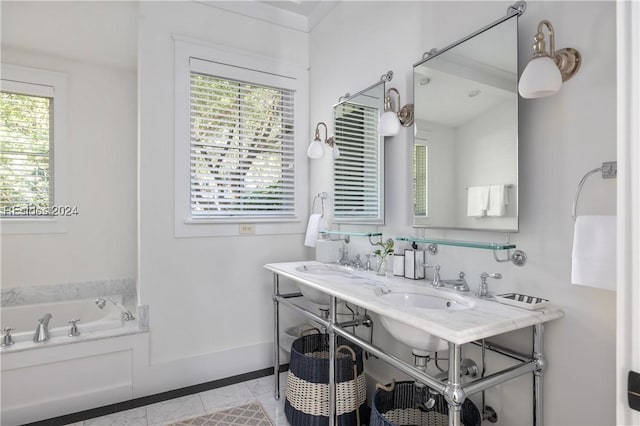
155,398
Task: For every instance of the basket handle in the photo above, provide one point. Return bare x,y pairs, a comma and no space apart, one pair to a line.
355,377
304,332
387,388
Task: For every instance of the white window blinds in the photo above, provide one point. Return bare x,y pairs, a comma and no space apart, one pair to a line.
420,183
242,149
26,153
356,179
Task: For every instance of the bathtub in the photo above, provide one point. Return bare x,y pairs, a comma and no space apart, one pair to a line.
24,318
68,374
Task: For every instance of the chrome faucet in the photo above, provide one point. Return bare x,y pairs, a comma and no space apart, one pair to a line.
458,285
483,290
7,340
42,329
437,282
344,258
126,314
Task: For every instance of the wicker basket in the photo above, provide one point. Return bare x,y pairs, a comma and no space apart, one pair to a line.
307,395
398,408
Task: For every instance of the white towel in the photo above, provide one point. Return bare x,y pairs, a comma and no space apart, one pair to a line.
316,223
593,260
477,201
498,200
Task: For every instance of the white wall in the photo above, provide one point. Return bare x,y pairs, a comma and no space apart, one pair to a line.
210,298
561,138
94,44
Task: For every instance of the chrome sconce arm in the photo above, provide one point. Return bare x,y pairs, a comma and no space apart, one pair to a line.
545,72
390,121
316,148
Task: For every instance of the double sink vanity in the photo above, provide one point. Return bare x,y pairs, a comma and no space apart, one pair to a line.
464,123
424,318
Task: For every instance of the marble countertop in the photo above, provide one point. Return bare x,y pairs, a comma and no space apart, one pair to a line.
484,318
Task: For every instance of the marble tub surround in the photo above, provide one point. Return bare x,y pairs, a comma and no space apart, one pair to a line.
70,291
483,318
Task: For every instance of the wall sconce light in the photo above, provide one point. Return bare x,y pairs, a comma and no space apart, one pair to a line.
390,121
545,72
316,148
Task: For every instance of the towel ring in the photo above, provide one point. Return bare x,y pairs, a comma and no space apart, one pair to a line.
322,196
609,170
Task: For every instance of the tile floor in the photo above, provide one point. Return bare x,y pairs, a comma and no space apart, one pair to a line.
173,410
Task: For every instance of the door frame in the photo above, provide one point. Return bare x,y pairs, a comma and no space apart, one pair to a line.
628,204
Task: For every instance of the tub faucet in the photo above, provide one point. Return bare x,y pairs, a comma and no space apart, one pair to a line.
42,330
126,314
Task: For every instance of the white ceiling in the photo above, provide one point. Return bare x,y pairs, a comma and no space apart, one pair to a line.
301,15
304,8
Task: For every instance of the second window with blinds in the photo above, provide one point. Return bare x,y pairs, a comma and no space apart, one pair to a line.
242,125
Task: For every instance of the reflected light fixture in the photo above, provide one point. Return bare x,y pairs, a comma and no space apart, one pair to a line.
545,72
390,121
316,148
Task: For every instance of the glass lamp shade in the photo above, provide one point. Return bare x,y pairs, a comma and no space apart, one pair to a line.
336,152
389,125
541,77
315,150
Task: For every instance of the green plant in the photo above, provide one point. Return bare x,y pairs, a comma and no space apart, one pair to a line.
386,248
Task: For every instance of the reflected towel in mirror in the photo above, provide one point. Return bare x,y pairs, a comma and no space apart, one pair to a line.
498,200
477,201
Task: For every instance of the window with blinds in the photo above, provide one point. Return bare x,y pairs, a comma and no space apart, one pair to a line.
26,154
242,149
420,183
356,172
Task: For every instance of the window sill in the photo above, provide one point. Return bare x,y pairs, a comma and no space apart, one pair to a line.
187,228
29,225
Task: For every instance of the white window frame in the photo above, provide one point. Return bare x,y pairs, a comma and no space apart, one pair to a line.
37,82
236,65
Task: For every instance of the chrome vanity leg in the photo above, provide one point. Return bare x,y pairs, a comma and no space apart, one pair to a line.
538,379
276,337
332,361
453,393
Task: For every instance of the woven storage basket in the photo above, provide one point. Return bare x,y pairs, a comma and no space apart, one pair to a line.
398,408
307,395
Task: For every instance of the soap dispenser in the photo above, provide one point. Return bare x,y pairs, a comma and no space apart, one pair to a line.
414,263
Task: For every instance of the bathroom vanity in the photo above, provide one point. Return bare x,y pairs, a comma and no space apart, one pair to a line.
414,312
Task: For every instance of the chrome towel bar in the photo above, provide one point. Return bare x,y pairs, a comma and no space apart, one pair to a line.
609,170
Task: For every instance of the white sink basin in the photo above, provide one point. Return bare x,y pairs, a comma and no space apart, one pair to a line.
321,269
314,295
411,336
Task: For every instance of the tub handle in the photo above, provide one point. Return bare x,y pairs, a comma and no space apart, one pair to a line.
74,328
7,340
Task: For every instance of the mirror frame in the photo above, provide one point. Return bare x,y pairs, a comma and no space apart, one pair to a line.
380,218
513,11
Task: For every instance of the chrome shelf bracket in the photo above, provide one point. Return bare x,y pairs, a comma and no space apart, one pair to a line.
518,257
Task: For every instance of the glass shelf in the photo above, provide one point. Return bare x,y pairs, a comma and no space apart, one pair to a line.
470,244
346,235
351,234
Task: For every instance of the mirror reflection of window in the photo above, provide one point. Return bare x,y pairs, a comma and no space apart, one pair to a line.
420,182
359,171
355,170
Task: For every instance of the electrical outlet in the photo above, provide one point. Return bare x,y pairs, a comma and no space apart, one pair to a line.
247,228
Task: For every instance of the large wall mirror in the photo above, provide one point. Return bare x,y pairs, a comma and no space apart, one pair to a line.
358,173
466,136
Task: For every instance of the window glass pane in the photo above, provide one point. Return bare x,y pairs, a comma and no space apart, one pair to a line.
241,149
25,155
